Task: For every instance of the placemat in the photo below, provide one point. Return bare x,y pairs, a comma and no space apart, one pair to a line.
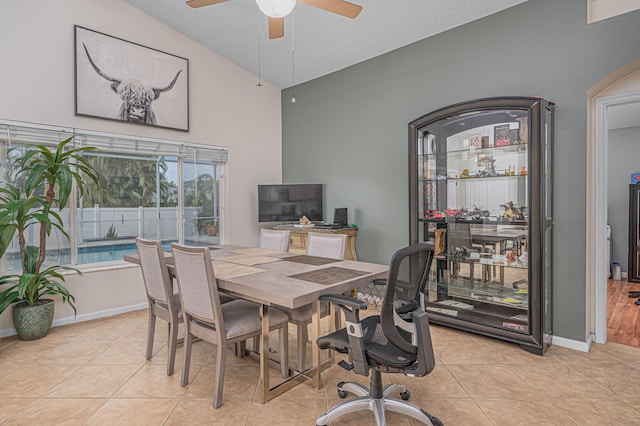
311,260
248,260
330,275
255,251
225,270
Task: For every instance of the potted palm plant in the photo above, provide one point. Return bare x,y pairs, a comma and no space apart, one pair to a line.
38,185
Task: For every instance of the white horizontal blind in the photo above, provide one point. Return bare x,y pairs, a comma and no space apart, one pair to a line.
21,133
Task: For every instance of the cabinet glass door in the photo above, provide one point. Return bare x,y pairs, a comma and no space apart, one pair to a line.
473,202
480,184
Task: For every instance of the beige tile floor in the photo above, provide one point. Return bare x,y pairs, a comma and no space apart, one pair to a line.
94,373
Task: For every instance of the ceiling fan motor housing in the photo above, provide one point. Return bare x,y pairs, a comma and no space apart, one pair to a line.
276,8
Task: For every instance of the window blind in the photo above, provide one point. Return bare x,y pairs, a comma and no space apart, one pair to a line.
12,133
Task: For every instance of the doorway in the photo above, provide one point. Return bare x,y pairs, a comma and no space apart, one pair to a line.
614,93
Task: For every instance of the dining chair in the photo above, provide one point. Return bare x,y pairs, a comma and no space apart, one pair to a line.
333,246
163,303
274,240
320,245
221,324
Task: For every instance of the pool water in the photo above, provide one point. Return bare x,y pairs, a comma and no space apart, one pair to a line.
92,254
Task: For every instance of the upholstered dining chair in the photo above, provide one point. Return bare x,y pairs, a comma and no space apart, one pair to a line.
163,303
221,324
333,246
320,245
274,239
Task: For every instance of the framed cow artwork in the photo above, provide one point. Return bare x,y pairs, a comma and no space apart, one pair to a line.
119,80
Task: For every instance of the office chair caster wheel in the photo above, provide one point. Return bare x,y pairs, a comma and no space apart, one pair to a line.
342,393
405,395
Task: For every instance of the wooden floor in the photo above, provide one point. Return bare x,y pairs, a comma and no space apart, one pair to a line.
622,313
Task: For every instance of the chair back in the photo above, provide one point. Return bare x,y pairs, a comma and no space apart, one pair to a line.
155,274
274,240
332,246
408,275
197,284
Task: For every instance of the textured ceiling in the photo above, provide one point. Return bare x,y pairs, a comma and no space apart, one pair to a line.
323,42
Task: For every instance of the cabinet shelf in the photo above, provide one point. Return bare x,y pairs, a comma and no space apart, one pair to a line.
483,295
484,221
474,178
483,262
492,150
497,164
501,317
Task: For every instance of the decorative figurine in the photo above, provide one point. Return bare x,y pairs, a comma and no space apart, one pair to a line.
489,168
512,212
304,220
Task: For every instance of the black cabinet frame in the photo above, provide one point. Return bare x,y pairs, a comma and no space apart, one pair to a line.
539,113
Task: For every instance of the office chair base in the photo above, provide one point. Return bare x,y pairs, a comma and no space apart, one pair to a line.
365,402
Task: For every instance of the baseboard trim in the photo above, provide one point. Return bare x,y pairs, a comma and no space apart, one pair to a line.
84,317
572,344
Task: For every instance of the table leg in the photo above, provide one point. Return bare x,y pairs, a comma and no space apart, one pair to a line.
264,355
316,379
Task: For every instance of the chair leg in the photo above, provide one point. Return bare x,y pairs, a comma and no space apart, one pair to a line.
283,335
392,388
361,403
187,355
151,329
219,380
303,336
172,343
354,388
240,348
410,410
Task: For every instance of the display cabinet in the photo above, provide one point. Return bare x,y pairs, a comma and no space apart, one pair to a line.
480,188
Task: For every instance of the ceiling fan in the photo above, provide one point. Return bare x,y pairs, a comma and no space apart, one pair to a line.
276,10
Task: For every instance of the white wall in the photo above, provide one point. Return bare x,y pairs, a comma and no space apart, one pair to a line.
226,109
597,10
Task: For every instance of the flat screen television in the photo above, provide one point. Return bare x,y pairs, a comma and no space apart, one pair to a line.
288,203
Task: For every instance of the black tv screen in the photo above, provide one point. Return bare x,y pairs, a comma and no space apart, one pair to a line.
288,203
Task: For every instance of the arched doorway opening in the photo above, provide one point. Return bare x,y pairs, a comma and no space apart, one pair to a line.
622,87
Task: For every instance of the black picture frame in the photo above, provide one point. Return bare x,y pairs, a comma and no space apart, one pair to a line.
119,80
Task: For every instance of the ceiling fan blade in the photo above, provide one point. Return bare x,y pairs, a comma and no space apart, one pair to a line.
339,7
276,27
200,3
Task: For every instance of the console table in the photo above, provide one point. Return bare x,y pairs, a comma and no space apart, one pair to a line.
299,238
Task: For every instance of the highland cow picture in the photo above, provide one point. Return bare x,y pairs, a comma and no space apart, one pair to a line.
124,81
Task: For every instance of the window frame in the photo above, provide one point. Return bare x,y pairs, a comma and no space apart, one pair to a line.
13,133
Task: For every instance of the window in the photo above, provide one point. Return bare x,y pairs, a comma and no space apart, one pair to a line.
150,188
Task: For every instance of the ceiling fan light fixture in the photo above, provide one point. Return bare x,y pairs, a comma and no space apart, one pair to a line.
276,8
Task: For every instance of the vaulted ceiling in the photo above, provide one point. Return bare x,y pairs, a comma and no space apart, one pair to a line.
316,42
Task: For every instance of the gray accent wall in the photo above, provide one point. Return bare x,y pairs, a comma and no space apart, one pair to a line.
623,160
348,130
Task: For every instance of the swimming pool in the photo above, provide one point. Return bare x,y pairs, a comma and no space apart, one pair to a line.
86,255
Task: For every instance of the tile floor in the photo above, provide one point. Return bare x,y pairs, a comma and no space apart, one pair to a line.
94,373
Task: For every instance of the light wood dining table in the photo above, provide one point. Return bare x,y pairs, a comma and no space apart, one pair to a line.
287,279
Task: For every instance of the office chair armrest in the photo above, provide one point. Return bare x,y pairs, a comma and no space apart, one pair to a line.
339,299
426,358
349,305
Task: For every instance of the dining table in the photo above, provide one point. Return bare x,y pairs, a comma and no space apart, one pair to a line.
274,278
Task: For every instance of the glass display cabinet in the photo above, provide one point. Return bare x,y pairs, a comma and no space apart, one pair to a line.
480,189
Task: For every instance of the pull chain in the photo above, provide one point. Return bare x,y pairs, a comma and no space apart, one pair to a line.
259,52
293,61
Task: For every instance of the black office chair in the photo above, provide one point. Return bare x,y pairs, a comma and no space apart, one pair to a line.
386,342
